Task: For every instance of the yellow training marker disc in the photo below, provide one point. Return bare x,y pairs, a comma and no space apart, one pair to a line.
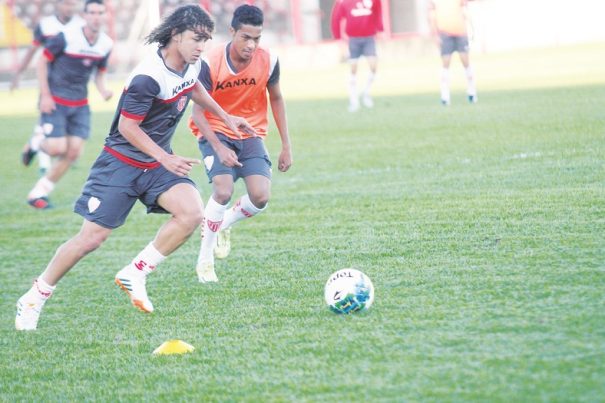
173,347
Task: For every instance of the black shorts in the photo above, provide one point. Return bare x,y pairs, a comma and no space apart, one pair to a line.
251,153
453,43
113,187
67,120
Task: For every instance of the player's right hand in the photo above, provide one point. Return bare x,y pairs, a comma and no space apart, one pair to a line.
237,123
15,82
47,104
227,156
178,165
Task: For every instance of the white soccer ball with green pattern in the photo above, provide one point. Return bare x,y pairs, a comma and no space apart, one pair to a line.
348,291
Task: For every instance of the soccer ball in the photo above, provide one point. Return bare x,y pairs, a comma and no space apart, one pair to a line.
348,291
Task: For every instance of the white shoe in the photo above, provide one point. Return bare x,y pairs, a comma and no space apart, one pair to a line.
28,312
133,284
223,244
367,100
205,272
353,105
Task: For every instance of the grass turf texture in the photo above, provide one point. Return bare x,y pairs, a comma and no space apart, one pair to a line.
481,226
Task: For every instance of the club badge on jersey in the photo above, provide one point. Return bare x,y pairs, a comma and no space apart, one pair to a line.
182,103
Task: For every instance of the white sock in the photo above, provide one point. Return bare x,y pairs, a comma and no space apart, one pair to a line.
213,217
44,160
445,85
470,78
147,260
41,290
42,188
37,138
353,97
243,208
371,77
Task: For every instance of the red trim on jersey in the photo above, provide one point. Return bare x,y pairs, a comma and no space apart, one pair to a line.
130,161
49,55
179,95
70,102
36,43
79,56
131,115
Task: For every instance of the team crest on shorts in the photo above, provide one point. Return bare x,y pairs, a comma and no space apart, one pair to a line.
181,104
47,128
93,204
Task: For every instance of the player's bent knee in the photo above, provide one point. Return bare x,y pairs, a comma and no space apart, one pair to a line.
260,201
72,156
222,196
190,219
92,242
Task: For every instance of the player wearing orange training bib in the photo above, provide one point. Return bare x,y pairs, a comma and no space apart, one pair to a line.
238,76
448,22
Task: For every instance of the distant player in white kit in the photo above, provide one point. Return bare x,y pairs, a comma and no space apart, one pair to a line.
448,21
65,17
70,59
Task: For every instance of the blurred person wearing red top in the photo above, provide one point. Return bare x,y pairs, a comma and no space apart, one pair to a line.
238,77
363,20
448,21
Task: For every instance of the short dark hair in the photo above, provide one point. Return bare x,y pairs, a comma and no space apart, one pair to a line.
100,2
185,18
247,15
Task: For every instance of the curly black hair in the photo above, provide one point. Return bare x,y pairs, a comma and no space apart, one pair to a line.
100,2
185,18
247,15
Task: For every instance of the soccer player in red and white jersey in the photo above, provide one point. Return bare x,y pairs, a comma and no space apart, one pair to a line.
448,21
238,76
363,19
65,17
137,163
70,58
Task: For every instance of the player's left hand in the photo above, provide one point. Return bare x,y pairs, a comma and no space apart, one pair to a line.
237,123
107,94
285,160
15,82
178,165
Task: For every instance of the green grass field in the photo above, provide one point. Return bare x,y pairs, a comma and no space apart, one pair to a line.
481,226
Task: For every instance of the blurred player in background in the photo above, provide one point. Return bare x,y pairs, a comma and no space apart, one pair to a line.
65,17
363,19
238,76
137,163
448,21
69,60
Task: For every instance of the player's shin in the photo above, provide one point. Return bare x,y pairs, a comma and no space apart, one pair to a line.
214,214
243,208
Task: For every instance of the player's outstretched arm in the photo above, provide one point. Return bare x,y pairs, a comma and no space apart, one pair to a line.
201,97
47,104
130,129
24,63
278,106
101,86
